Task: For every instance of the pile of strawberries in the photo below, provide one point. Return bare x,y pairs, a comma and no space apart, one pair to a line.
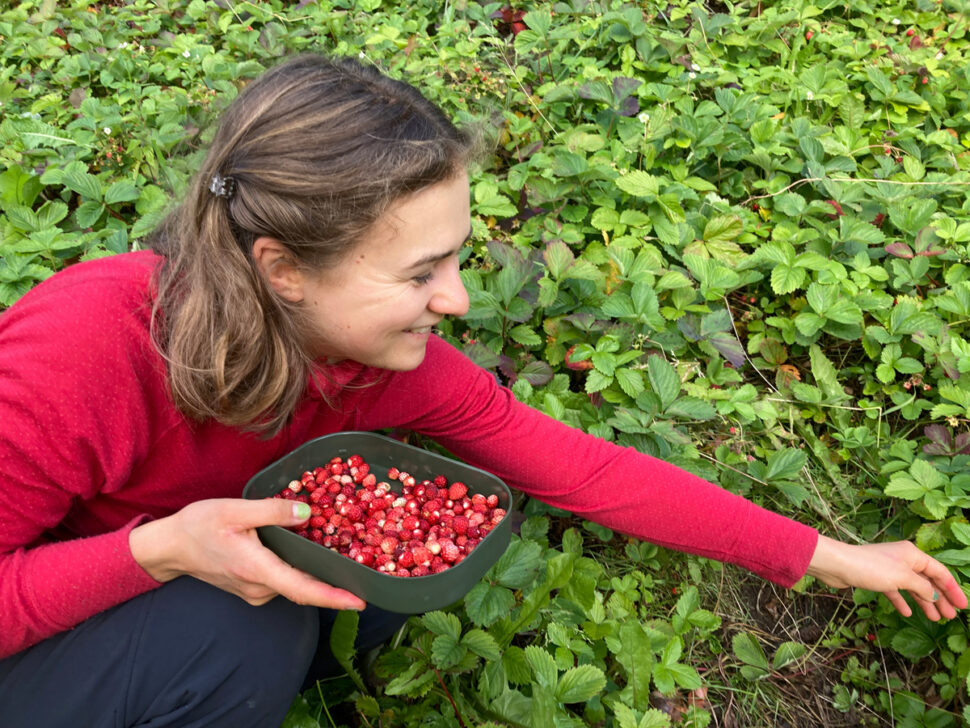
426,528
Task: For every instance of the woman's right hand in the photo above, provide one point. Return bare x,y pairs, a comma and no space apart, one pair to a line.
216,541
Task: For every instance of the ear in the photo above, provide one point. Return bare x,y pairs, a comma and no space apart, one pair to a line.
275,264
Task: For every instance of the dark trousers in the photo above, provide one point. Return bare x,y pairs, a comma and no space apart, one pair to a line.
186,654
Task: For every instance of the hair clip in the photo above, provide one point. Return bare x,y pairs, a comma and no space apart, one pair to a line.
222,186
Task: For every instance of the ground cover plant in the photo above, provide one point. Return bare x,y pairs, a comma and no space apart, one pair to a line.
732,235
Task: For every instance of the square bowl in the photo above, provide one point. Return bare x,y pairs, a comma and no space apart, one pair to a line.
405,595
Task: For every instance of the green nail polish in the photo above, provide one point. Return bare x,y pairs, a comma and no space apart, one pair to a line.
301,511
935,595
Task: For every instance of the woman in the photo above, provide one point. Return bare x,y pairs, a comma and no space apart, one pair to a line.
292,294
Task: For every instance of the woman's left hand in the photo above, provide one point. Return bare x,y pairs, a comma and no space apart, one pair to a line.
890,568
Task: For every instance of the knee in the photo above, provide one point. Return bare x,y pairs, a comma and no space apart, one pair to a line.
262,652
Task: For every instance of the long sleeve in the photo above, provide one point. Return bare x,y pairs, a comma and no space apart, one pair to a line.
461,406
72,422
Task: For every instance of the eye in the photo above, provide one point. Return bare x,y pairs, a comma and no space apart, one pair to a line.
423,279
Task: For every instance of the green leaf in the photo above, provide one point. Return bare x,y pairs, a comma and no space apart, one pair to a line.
517,567
723,228
913,643
558,258
630,381
524,335
543,666
84,184
663,379
787,653
691,408
639,184
785,464
749,651
482,644
446,651
786,278
343,635
579,684
121,191
442,623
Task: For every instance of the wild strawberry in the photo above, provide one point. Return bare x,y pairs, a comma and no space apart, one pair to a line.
434,547
438,568
457,491
809,34
440,481
393,473
910,32
405,559
450,552
460,525
420,571
421,556
337,469
492,501
295,486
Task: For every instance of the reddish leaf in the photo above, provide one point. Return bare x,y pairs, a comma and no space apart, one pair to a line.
900,250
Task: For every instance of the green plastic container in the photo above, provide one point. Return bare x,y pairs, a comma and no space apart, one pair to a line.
407,595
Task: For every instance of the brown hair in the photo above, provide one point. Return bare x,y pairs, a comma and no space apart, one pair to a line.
318,150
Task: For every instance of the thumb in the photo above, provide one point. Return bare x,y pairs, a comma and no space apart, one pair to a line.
271,512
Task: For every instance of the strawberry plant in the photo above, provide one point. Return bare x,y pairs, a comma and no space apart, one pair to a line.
736,237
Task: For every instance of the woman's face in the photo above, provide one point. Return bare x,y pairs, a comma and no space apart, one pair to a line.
379,304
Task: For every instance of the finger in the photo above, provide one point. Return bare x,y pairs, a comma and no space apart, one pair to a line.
946,585
897,600
245,514
300,587
929,608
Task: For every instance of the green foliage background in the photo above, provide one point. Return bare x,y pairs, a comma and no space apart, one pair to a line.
734,236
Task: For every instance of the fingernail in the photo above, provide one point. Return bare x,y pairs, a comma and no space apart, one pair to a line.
935,595
301,511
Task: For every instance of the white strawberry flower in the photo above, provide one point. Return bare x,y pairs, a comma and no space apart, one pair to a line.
643,117
107,131
896,21
186,53
809,95
691,75
694,67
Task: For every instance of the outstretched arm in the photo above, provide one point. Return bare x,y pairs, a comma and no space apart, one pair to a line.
890,568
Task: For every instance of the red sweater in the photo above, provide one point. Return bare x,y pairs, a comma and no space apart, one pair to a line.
91,445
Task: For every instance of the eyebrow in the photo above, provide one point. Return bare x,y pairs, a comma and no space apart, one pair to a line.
435,257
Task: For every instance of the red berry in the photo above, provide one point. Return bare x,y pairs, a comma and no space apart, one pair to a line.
925,80
457,491
910,32
809,34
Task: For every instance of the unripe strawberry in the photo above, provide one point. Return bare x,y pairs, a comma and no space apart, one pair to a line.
295,486
433,547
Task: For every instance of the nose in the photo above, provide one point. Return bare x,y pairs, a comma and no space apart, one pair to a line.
450,298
